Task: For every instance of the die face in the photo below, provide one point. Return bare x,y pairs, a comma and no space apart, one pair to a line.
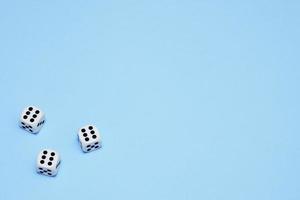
92,147
48,162
27,127
32,119
46,172
89,138
32,115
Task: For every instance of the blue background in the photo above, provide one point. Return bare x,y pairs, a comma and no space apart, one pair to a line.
194,99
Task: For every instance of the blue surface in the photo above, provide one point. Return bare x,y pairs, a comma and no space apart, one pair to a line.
194,99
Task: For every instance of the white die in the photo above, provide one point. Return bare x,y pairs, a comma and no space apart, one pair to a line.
47,162
89,138
32,119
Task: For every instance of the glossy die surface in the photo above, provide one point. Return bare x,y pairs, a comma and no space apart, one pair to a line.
48,162
89,138
32,119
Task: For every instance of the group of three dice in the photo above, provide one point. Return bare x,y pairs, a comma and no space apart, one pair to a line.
32,120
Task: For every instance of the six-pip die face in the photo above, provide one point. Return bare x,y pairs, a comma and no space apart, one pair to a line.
89,138
48,162
32,119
